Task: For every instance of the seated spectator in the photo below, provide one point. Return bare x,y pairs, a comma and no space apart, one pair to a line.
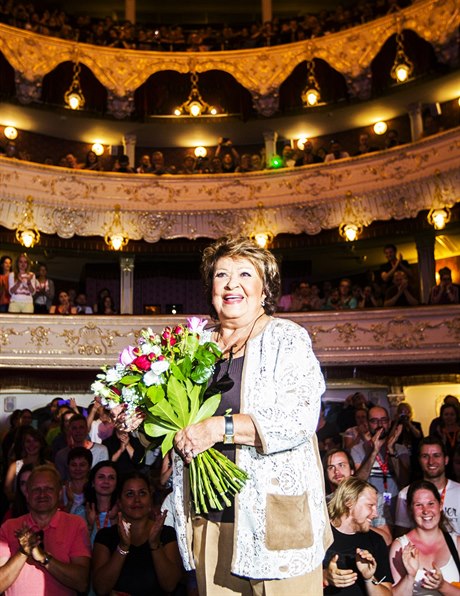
369,299
298,300
100,509
446,292
44,294
92,162
62,306
433,460
145,166
99,305
29,448
70,161
122,165
335,152
108,307
423,561
431,125
81,304
315,301
257,162
364,145
141,555
358,556
45,551
78,431
124,449
158,164
333,300
188,165
391,138
308,155
215,166
382,461
394,263
346,299
288,156
79,461
399,293
62,438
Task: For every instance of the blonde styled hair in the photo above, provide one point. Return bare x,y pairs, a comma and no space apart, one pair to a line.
16,265
345,496
242,248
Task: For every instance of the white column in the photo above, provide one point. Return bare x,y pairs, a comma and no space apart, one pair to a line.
126,285
130,10
270,139
416,121
129,148
267,10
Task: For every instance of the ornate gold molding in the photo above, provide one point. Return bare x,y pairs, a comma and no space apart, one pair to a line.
261,70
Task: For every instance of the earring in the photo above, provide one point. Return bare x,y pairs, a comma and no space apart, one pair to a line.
262,302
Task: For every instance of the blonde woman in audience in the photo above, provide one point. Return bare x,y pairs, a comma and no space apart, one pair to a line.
22,286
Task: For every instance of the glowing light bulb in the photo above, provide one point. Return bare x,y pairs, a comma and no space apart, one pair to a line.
98,149
195,109
380,128
439,219
402,72
201,151
10,133
28,238
301,143
351,232
177,112
213,111
117,241
261,239
74,101
312,96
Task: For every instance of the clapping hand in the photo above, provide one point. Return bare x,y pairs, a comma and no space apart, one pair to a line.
433,578
410,559
340,578
27,539
124,532
365,563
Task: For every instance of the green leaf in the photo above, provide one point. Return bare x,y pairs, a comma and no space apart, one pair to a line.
186,366
164,424
208,409
155,393
155,430
201,373
177,397
167,444
165,413
176,371
194,393
130,379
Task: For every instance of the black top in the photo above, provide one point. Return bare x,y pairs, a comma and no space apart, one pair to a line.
125,463
345,546
138,576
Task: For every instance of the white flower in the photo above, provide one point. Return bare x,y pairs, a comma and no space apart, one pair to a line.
113,375
97,387
153,376
196,325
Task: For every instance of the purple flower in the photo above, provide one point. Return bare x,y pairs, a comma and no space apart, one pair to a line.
196,325
127,355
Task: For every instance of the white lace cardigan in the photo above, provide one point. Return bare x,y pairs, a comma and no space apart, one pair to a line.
281,524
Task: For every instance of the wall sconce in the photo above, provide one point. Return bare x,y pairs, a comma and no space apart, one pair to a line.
380,127
98,149
261,234
402,66
195,105
116,238
27,233
301,143
311,94
10,133
74,97
200,151
354,218
440,214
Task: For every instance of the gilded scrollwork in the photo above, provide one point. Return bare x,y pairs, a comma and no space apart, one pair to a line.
453,327
347,332
5,333
399,333
39,335
90,339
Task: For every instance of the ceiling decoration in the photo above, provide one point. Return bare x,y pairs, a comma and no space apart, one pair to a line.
261,71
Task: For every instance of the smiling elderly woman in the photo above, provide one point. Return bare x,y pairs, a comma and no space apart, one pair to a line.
273,538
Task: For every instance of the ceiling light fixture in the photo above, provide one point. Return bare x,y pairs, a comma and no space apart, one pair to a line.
402,67
98,149
116,238
439,214
380,127
311,95
438,218
200,151
261,234
301,142
354,218
10,133
74,97
27,232
195,105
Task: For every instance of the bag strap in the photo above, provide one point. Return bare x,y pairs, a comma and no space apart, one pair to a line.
453,549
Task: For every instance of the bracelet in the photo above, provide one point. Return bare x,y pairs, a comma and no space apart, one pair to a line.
46,560
122,552
159,545
372,580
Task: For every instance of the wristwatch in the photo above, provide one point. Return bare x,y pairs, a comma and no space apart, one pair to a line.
46,560
229,436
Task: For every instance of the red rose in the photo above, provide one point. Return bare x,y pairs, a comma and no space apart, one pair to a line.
142,362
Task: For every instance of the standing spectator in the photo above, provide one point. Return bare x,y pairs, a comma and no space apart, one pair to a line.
46,551
44,294
364,145
228,154
5,269
358,433
399,293
22,286
394,263
410,436
448,429
125,450
100,424
357,561
335,152
446,292
79,462
435,423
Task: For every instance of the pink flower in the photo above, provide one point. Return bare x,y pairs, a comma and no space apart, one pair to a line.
142,362
196,325
127,355
178,330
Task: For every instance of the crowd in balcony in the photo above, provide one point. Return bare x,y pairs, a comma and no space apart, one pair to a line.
123,34
394,284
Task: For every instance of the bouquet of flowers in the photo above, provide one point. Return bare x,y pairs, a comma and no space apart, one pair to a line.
166,375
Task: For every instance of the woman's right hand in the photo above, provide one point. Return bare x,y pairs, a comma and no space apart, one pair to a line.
90,514
196,438
410,559
124,532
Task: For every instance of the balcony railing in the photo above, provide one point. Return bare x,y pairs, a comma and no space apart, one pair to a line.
418,335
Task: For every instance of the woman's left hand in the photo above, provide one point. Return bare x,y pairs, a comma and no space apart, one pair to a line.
196,438
432,579
158,521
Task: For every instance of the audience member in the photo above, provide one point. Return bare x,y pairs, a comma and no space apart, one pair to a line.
394,263
62,306
92,162
19,505
108,306
139,553
44,290
6,264
451,400
46,551
78,431
364,144
100,424
81,304
357,561
448,429
308,155
14,421
358,433
446,292
426,559
62,438
410,436
145,165
400,293
391,138
346,299
325,429
353,402
122,165
21,286
125,450
382,461
79,461
368,298
433,461
335,152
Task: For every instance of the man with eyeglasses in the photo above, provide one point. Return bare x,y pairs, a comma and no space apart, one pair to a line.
382,461
45,552
433,460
